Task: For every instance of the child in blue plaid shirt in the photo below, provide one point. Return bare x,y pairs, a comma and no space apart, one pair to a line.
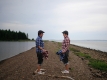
39,50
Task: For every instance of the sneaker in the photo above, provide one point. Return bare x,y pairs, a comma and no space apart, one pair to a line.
40,72
65,71
36,71
42,69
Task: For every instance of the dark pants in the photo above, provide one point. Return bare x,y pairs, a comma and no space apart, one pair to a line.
40,58
65,60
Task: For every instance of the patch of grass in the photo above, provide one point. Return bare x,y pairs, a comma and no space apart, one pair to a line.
98,64
53,41
83,55
59,44
58,47
45,40
71,69
57,50
74,50
80,54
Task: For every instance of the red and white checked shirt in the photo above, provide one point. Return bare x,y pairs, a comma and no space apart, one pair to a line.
65,44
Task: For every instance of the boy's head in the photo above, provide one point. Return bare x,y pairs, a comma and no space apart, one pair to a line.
65,33
40,33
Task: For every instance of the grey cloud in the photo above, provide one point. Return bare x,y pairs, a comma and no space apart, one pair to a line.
54,16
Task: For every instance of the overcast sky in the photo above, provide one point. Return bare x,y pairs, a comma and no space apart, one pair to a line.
84,19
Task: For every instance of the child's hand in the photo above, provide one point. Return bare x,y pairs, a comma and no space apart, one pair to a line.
62,51
44,50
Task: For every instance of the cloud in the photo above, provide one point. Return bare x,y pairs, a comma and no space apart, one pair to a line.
79,17
17,26
75,17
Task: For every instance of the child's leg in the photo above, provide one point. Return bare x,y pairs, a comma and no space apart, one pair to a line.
39,67
40,60
65,61
67,67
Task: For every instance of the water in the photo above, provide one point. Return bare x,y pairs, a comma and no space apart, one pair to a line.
9,49
97,45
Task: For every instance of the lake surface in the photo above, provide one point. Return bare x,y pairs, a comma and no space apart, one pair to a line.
9,49
97,45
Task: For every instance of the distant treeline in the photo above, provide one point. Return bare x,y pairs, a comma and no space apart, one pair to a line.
8,35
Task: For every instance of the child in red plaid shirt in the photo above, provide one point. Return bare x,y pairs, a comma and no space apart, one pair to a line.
65,50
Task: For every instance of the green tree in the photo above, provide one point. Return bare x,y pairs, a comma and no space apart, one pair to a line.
8,35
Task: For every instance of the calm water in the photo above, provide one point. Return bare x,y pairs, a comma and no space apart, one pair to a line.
9,49
98,45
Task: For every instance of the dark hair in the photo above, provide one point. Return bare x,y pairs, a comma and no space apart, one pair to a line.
65,32
40,31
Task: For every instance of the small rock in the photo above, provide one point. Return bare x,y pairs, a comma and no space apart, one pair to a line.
90,69
98,75
104,74
82,58
33,73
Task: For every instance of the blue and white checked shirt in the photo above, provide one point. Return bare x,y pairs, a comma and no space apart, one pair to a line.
39,42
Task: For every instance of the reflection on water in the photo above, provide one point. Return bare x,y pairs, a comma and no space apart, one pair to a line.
9,49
